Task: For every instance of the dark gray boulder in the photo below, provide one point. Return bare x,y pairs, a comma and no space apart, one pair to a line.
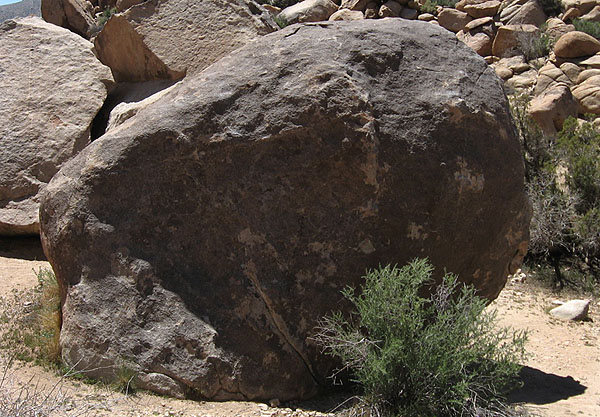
202,238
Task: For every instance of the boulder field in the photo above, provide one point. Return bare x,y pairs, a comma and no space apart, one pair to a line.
199,241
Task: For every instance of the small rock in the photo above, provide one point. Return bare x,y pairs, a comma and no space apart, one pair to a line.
572,310
274,402
570,15
426,17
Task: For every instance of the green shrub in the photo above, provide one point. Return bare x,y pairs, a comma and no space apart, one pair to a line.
587,26
413,356
281,22
535,146
105,16
430,6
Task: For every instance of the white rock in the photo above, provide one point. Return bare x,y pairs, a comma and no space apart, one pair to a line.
572,310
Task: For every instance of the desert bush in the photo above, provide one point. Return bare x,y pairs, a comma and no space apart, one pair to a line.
281,22
563,184
32,322
430,6
105,16
423,356
536,147
587,26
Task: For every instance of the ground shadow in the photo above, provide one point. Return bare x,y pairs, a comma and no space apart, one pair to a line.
542,388
28,248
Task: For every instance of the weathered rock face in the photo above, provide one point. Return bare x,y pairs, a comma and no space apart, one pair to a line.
139,44
202,238
52,87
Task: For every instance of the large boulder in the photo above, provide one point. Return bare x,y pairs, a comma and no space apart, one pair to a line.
165,39
514,40
52,87
576,45
203,238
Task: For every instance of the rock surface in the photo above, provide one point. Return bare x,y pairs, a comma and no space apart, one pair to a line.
138,45
52,87
204,237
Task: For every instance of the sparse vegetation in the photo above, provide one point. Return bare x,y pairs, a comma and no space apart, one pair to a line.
105,15
563,182
590,27
124,379
539,46
430,6
36,325
281,22
415,356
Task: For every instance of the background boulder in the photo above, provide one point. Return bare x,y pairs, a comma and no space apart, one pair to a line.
139,44
203,238
52,87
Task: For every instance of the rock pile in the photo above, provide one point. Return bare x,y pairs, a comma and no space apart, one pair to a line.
199,241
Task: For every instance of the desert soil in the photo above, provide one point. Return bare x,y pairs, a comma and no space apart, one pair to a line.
562,374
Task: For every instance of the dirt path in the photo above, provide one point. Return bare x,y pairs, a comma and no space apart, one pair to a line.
562,375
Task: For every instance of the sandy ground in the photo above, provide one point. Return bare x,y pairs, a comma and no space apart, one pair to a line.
562,375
